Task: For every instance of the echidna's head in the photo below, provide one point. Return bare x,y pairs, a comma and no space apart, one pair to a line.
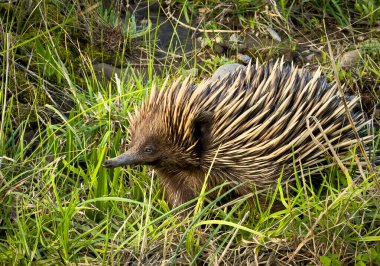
148,145
165,132
155,143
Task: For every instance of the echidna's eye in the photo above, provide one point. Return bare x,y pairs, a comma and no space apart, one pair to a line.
148,149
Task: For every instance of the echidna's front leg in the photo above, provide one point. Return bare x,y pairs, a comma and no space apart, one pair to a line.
178,196
179,188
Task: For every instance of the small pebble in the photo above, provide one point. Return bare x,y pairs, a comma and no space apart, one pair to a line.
350,58
310,57
274,34
360,38
243,58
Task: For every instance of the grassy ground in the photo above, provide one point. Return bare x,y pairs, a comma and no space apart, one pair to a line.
60,120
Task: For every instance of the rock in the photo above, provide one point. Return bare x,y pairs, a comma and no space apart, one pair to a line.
106,71
274,34
243,58
310,57
225,70
361,38
350,58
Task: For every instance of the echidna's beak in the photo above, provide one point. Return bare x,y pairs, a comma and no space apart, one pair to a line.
127,158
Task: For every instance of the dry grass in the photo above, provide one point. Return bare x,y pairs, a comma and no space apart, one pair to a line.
59,206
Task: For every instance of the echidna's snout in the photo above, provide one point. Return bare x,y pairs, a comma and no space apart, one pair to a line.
127,158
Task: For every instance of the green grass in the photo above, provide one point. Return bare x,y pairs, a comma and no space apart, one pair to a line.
58,205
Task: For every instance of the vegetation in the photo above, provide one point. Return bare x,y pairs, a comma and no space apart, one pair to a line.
63,111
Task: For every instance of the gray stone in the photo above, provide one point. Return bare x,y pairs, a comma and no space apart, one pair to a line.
224,70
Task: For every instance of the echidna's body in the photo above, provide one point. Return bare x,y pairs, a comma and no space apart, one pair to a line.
250,126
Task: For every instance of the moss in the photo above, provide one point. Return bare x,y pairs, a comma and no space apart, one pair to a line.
31,113
102,56
27,92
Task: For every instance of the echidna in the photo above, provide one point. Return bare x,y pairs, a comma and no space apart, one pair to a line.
249,127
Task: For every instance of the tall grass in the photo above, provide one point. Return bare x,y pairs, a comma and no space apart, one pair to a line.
58,204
